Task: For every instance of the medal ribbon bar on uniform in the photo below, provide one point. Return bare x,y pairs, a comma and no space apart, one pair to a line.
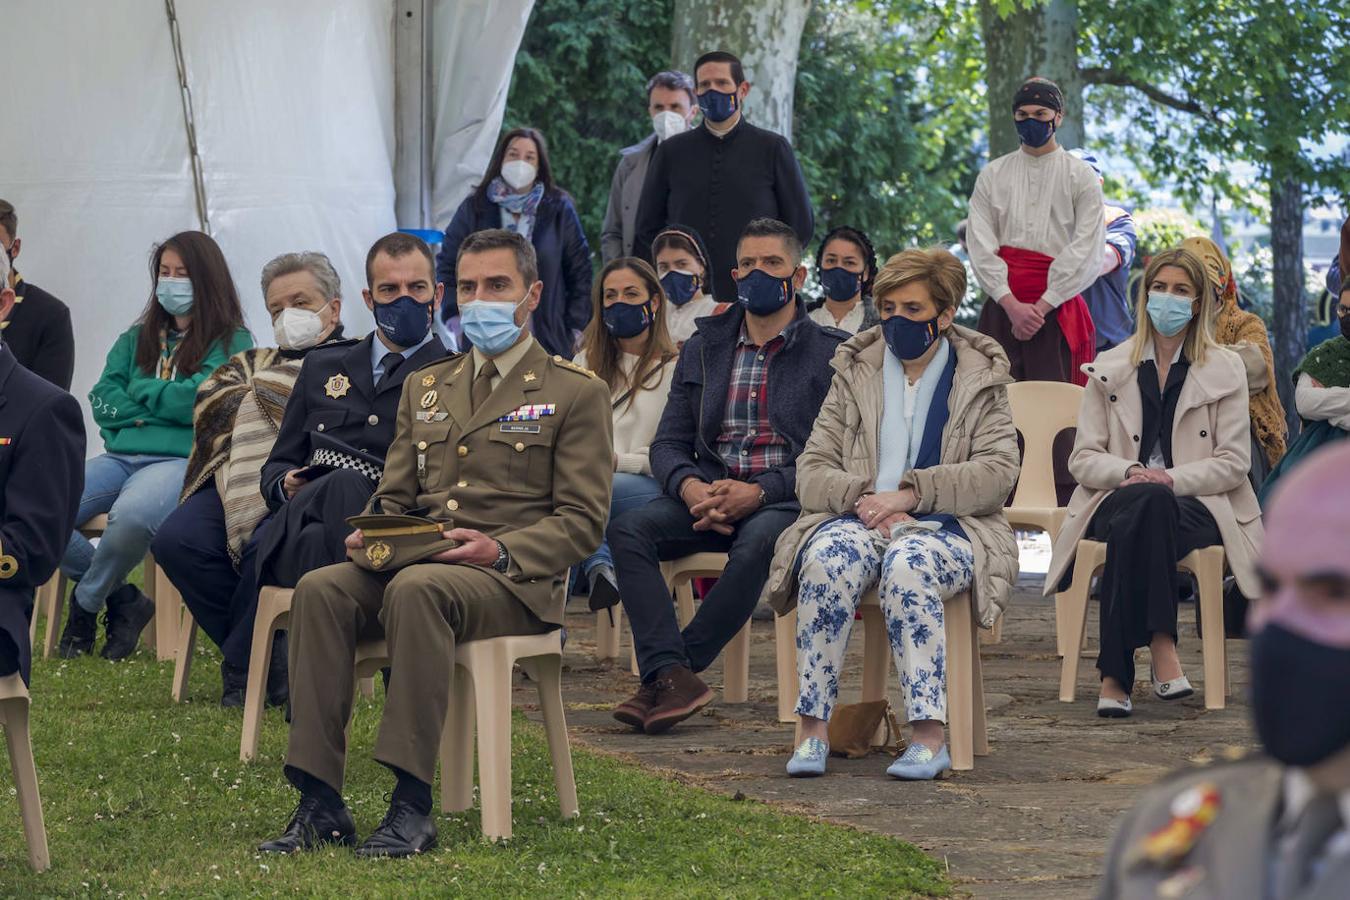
530,412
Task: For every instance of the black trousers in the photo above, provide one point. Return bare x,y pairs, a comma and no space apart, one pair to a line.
663,529
1146,529
310,529
1045,357
190,548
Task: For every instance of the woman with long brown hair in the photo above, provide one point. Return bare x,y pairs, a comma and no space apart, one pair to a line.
143,405
1161,460
628,346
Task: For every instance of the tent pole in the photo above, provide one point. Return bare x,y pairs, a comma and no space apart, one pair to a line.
189,122
412,92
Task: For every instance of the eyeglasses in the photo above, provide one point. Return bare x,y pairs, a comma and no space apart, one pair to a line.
1342,311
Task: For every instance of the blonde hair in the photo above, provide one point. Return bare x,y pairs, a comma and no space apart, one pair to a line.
1200,333
602,348
936,268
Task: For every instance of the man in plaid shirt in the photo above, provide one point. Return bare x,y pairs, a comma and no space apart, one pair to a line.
745,394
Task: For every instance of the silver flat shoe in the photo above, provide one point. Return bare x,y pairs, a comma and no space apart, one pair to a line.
1177,689
1114,709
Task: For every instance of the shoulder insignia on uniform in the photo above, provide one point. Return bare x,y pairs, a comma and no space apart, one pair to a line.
568,364
1193,810
428,380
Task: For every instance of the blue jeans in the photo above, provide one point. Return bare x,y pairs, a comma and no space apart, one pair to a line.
138,493
630,492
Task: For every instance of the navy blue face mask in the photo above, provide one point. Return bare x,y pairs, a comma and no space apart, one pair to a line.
625,320
763,295
839,283
404,321
680,287
907,338
1034,132
717,106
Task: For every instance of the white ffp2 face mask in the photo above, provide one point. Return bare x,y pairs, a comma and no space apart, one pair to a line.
667,123
298,329
518,173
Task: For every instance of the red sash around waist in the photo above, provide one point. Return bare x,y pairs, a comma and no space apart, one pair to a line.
1028,273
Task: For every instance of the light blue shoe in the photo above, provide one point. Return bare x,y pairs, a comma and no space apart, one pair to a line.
918,763
809,759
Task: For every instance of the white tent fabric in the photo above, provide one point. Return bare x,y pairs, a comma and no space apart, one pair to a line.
474,50
293,105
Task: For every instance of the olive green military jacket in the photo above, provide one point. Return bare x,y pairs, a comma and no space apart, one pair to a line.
532,467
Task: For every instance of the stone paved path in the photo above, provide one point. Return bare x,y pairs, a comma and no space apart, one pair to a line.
1033,818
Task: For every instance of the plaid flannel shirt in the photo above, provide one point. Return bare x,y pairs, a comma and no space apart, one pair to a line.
748,443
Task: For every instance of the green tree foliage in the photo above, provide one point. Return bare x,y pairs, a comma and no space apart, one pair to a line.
580,77
887,105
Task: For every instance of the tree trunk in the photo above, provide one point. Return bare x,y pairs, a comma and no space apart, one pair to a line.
1040,40
765,34
1289,337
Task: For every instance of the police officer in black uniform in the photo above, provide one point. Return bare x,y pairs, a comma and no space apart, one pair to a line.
41,479
38,329
339,420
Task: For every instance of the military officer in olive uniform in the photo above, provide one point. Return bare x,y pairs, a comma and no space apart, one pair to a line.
1271,826
41,479
339,419
512,450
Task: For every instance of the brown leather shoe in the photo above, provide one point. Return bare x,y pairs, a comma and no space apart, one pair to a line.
634,710
679,694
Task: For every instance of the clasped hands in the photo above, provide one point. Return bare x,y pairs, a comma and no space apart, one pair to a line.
475,548
1138,474
718,506
882,511
1026,318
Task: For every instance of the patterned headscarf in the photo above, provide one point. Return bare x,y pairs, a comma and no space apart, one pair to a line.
1219,268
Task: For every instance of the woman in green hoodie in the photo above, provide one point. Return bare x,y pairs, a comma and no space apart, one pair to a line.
142,405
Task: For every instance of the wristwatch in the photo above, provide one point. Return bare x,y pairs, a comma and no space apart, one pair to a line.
763,498
503,558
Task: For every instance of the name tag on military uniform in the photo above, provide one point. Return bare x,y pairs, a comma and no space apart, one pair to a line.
520,429
530,412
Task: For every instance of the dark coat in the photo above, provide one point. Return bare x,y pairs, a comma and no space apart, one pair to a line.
41,478
716,186
799,379
564,265
38,331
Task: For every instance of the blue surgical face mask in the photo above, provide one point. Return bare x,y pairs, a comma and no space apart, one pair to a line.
717,106
1169,313
680,287
839,283
763,295
1034,132
490,325
626,320
909,338
174,294
405,321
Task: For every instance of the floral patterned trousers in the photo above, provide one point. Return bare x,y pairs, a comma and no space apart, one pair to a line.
918,571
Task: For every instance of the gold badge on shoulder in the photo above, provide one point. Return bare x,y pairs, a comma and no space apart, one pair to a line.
530,377
428,380
338,386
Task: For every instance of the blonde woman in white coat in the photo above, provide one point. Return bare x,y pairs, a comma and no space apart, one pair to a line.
1161,461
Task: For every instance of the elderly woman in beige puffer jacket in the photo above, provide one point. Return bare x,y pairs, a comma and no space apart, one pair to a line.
902,486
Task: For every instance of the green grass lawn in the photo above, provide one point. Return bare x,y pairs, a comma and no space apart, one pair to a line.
146,797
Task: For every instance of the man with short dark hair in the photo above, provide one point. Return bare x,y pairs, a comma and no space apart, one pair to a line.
745,395
671,104
507,451
41,478
339,418
718,177
38,330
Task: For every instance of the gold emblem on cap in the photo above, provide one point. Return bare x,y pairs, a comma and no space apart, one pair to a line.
338,386
529,377
428,380
428,400
378,553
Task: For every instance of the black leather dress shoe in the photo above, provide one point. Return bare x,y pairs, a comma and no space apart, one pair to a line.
312,826
404,832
